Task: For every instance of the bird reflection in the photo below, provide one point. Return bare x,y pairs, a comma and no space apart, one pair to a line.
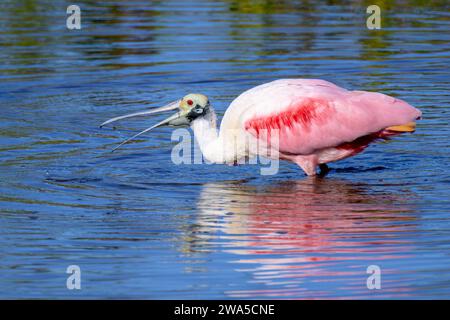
298,229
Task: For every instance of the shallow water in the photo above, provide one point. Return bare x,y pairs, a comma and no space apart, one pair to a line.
139,226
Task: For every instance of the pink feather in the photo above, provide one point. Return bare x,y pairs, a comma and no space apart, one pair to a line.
317,122
314,114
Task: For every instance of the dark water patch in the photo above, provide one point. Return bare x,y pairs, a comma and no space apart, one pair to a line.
358,169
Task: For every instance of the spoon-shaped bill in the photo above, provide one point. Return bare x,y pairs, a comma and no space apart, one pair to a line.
164,122
168,107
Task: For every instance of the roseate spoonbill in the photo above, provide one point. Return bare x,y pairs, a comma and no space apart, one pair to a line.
310,122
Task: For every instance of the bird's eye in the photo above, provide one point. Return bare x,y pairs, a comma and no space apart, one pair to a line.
190,102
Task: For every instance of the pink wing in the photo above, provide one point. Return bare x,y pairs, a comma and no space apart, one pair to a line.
316,114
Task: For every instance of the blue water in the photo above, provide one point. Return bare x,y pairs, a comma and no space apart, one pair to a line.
139,226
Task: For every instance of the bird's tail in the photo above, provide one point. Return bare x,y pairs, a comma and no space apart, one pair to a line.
407,127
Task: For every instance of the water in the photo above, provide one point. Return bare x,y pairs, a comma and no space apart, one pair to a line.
141,227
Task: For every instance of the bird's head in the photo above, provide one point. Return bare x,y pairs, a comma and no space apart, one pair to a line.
194,105
191,107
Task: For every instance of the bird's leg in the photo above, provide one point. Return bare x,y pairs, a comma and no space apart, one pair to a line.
307,163
324,169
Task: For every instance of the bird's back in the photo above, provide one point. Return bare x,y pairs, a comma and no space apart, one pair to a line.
311,114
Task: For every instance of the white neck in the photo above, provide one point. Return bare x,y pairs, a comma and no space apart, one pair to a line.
207,136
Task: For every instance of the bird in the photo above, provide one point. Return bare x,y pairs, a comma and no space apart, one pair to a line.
310,122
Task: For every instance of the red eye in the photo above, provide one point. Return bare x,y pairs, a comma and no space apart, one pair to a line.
190,102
